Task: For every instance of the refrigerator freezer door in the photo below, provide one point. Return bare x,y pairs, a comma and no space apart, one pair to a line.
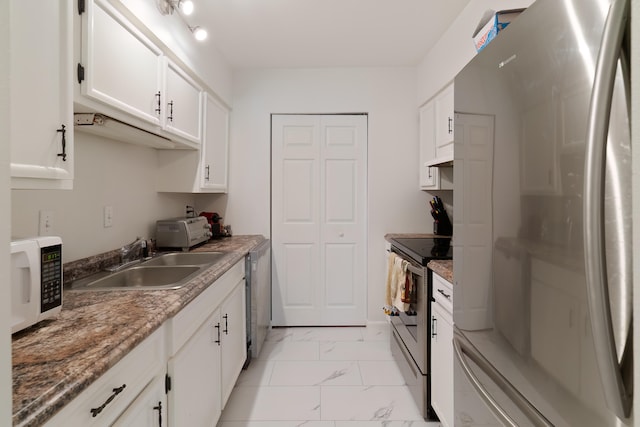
537,79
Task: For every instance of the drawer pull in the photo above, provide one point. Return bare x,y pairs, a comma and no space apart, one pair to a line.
159,409
226,324
447,296
434,327
217,326
116,391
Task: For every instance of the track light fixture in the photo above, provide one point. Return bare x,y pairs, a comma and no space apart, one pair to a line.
182,7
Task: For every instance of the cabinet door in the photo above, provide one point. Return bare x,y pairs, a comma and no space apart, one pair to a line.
428,174
442,365
444,124
123,68
41,97
149,409
234,343
216,145
194,399
183,105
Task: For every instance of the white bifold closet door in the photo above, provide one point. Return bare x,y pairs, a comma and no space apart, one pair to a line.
318,216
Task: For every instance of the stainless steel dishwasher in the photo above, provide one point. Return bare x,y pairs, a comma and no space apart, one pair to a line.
258,289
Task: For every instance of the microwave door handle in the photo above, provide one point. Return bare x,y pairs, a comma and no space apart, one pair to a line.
618,398
25,284
462,347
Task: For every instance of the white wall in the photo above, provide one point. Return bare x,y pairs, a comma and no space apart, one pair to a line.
106,173
455,48
387,94
5,223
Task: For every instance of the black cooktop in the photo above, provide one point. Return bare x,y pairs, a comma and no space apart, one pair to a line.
423,250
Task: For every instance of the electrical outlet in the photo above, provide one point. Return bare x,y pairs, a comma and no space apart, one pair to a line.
46,223
108,216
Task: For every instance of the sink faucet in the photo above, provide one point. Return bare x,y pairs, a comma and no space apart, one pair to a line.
135,250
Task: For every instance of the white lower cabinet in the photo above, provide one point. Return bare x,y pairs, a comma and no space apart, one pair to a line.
149,409
181,375
194,398
208,349
442,351
233,337
119,392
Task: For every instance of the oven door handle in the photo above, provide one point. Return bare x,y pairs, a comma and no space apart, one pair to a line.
414,270
462,347
413,266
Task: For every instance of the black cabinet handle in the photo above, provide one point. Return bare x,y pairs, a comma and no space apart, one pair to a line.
450,120
170,117
159,409
217,326
116,391
226,324
64,143
434,323
158,102
206,173
447,296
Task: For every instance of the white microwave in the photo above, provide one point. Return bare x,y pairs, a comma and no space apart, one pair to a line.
36,280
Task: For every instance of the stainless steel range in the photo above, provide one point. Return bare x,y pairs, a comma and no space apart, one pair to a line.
411,328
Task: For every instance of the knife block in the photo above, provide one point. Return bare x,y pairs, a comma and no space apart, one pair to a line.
442,228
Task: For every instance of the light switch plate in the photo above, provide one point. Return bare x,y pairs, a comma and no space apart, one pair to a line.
108,216
46,223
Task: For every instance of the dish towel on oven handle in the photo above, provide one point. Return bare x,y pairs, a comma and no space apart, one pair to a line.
396,284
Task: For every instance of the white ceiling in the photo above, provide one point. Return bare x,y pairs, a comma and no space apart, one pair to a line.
324,33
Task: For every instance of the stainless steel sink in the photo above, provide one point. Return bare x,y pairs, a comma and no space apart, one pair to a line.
167,271
145,277
186,258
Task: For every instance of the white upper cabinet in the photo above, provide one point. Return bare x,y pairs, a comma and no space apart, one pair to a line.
205,170
125,73
122,68
215,152
433,177
444,125
183,104
40,105
428,174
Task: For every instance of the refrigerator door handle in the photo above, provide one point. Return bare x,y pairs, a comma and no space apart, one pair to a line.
462,347
619,399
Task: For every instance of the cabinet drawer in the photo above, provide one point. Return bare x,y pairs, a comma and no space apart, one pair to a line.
187,322
443,293
134,372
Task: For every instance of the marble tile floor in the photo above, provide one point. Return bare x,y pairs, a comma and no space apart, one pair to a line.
323,377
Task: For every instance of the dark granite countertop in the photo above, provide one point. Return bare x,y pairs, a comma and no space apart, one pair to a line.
55,360
442,267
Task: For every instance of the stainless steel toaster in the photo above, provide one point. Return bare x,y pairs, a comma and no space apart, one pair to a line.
182,233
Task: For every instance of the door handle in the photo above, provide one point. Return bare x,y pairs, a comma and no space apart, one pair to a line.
618,398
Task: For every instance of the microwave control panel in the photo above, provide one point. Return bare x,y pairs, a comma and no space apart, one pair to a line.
51,277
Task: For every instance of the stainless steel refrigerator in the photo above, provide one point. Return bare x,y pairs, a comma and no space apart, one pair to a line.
542,242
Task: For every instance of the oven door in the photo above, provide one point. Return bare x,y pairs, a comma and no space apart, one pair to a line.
412,326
